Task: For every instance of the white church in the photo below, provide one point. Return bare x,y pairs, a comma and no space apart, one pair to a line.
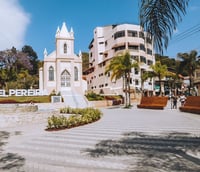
62,70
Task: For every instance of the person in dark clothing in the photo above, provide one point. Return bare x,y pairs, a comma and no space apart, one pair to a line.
174,100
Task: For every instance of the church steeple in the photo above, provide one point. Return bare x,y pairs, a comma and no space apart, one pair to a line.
72,32
58,31
80,54
63,32
64,41
45,53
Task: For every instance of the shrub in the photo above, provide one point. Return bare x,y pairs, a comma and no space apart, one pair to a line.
94,97
78,117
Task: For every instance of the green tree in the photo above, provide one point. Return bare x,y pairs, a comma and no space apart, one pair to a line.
145,75
3,78
160,19
33,58
121,66
189,63
159,71
165,60
7,75
13,63
85,61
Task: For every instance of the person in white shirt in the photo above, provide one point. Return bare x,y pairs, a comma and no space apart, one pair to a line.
182,99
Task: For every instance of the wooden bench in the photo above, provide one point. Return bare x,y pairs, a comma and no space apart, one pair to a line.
153,102
191,105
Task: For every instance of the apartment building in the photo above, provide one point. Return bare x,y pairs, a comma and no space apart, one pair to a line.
197,81
110,41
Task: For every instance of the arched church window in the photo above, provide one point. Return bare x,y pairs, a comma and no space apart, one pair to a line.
75,73
51,73
65,79
65,48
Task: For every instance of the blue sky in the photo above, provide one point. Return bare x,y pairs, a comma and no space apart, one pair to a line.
34,22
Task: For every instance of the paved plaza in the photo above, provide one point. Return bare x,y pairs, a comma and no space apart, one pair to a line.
123,140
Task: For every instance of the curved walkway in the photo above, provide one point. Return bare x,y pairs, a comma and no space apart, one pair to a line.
123,140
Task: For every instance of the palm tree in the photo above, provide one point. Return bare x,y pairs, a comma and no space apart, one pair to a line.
160,19
190,63
145,75
121,66
159,71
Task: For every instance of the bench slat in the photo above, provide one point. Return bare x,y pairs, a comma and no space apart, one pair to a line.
191,105
153,102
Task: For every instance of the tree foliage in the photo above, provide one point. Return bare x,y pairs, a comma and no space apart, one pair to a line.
33,58
160,19
121,66
85,61
159,71
189,63
16,66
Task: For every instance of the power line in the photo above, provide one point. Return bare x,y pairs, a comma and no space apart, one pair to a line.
188,30
187,33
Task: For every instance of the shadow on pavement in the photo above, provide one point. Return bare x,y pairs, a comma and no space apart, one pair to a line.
166,152
9,161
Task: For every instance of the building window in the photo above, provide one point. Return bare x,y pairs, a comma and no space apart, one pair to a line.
106,43
149,40
149,62
143,59
136,82
130,81
106,55
119,34
133,47
65,48
136,71
132,33
142,47
120,48
65,79
149,51
141,35
51,73
75,73
136,58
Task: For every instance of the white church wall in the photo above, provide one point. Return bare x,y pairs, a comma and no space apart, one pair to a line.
84,86
66,66
61,48
62,60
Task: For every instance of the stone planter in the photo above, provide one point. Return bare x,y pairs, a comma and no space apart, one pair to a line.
10,108
101,103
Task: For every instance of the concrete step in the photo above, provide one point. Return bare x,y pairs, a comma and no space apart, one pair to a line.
74,99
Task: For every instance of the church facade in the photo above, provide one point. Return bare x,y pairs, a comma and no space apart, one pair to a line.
62,69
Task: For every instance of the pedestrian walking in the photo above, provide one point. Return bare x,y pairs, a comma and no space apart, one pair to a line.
182,99
174,100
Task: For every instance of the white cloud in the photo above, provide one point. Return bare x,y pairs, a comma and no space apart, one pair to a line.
13,24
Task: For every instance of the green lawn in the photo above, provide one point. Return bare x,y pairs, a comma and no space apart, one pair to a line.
25,99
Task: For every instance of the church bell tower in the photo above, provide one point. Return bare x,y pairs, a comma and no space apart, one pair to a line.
64,42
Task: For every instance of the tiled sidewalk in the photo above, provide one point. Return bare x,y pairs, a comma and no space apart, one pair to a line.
123,140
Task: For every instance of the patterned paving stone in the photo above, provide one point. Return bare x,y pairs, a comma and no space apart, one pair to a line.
123,140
